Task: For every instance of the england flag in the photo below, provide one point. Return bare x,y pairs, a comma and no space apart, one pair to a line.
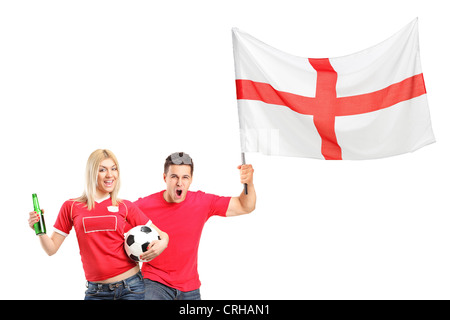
367,105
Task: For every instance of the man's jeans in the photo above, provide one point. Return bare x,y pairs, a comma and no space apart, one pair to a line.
158,291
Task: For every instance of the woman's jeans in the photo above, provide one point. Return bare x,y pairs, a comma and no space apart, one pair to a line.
132,288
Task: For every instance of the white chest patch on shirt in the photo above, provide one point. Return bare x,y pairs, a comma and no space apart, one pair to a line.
113,209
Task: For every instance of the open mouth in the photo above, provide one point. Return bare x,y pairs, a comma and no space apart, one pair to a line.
109,183
179,193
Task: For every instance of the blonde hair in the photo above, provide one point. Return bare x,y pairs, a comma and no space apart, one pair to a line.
92,167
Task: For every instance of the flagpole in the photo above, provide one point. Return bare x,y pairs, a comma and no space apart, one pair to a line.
240,124
243,162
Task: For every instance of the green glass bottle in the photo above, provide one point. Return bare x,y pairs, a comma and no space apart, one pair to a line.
39,227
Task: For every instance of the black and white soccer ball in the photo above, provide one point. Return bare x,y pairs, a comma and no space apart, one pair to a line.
138,239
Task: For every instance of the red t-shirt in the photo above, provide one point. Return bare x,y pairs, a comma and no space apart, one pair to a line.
100,234
176,266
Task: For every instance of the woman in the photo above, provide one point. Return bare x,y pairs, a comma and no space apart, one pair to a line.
99,218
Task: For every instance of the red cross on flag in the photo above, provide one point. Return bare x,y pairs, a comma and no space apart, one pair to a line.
367,105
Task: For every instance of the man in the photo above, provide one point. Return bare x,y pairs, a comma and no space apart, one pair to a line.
182,214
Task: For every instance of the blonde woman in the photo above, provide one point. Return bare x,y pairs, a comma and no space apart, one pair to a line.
99,217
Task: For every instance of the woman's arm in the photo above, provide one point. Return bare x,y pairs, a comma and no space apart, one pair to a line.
156,247
49,244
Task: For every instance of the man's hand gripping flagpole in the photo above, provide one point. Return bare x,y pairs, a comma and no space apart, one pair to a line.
243,162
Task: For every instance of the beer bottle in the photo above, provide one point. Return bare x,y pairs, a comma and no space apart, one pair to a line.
39,227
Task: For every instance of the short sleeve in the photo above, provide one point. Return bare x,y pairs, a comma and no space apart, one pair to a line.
219,205
135,217
64,222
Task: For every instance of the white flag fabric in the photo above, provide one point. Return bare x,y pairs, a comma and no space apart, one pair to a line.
367,105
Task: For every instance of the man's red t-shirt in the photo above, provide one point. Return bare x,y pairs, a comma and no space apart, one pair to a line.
176,266
100,234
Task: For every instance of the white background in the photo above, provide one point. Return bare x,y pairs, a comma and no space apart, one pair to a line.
148,78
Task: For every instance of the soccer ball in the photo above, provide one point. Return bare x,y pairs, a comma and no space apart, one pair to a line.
137,241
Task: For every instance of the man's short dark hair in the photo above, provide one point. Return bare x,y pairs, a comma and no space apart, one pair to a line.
178,158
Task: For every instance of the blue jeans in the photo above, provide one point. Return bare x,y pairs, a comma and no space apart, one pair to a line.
132,288
158,291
